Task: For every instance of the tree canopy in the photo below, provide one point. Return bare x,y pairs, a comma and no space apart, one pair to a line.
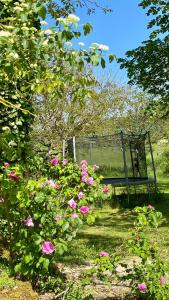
148,65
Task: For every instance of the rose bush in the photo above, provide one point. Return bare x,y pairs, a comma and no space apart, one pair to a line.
41,217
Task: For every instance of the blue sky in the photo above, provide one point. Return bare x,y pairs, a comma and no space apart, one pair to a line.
123,29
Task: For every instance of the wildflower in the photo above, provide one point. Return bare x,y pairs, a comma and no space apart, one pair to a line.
103,253
65,162
54,161
6,164
12,175
48,247
72,203
29,222
162,280
80,195
105,190
74,216
84,210
142,287
90,181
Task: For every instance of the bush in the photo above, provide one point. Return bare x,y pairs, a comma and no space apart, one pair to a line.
41,217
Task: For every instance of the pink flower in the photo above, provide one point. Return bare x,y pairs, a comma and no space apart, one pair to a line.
84,173
95,167
90,180
105,190
162,280
29,222
6,164
84,162
2,200
150,207
84,168
84,179
84,210
54,161
65,162
53,184
103,253
80,195
74,216
48,247
72,203
13,176
142,287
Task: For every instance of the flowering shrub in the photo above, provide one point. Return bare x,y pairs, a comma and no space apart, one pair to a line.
147,276
42,216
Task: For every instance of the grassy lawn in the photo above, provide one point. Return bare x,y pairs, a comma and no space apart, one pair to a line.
112,229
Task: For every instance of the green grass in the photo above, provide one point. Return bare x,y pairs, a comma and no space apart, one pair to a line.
112,230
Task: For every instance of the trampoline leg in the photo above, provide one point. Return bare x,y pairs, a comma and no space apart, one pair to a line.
128,194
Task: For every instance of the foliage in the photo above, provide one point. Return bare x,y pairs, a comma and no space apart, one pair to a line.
147,65
31,55
41,217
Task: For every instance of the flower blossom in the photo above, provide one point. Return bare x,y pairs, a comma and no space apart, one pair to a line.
84,162
162,280
72,203
103,253
84,210
84,173
65,162
105,190
90,180
48,247
54,161
6,164
29,222
142,287
53,184
74,216
84,179
12,175
150,207
80,195
84,168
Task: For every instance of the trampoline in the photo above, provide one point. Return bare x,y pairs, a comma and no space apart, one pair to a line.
122,158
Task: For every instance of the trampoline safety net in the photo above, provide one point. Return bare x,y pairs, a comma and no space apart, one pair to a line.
118,156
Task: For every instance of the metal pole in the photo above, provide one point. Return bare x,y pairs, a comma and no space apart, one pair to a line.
153,164
74,148
125,163
63,153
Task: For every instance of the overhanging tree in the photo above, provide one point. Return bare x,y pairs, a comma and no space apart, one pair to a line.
148,65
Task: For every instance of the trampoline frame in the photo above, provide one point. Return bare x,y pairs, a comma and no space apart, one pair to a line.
125,181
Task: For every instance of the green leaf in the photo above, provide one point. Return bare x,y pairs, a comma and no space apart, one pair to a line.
111,57
103,64
87,28
42,12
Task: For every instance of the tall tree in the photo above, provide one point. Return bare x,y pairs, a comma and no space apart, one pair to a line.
148,65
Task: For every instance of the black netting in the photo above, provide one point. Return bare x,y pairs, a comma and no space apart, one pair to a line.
110,152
